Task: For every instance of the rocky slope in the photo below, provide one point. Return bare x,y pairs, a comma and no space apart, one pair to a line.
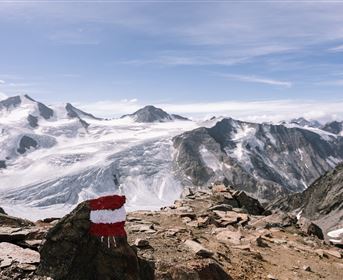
263,159
208,235
321,202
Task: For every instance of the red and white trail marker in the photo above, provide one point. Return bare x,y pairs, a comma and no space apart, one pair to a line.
108,216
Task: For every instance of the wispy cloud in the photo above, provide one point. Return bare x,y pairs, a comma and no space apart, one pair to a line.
337,49
2,82
255,79
335,83
259,111
187,60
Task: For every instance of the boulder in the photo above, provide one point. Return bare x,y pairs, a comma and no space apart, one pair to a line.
141,243
6,220
221,207
9,234
224,219
252,205
10,253
71,253
204,269
198,249
226,235
225,198
278,220
310,228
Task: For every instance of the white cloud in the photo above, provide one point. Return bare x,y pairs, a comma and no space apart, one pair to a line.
2,82
258,111
255,79
3,96
337,49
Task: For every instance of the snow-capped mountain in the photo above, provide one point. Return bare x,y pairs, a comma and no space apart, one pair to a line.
306,123
62,155
334,127
72,156
150,114
263,159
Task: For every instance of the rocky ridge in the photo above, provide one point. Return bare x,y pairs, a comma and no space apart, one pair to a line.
216,234
321,202
264,160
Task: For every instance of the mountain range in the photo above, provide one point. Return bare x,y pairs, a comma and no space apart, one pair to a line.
54,157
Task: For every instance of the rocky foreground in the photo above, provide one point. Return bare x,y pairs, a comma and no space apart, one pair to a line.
208,235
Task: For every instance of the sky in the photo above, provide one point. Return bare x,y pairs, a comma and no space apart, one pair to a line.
280,58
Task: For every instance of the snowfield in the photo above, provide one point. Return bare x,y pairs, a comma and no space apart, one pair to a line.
74,163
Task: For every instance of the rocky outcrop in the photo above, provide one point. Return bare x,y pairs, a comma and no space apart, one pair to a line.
3,164
33,121
2,211
10,102
6,220
321,202
26,143
70,253
264,160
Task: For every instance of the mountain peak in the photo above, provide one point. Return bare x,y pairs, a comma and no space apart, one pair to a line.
304,122
150,113
74,112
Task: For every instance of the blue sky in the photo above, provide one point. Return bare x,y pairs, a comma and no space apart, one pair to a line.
133,53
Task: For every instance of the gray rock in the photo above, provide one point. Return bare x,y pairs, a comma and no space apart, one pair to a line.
221,207
33,121
14,101
10,234
252,205
307,268
6,220
70,253
44,110
12,253
310,228
198,249
201,269
3,164
26,143
141,243
226,235
321,202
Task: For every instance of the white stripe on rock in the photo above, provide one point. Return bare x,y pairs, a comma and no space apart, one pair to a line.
108,216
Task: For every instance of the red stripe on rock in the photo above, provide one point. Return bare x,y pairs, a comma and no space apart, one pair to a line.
116,229
110,202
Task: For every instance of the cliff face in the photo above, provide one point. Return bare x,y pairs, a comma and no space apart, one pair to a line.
321,202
